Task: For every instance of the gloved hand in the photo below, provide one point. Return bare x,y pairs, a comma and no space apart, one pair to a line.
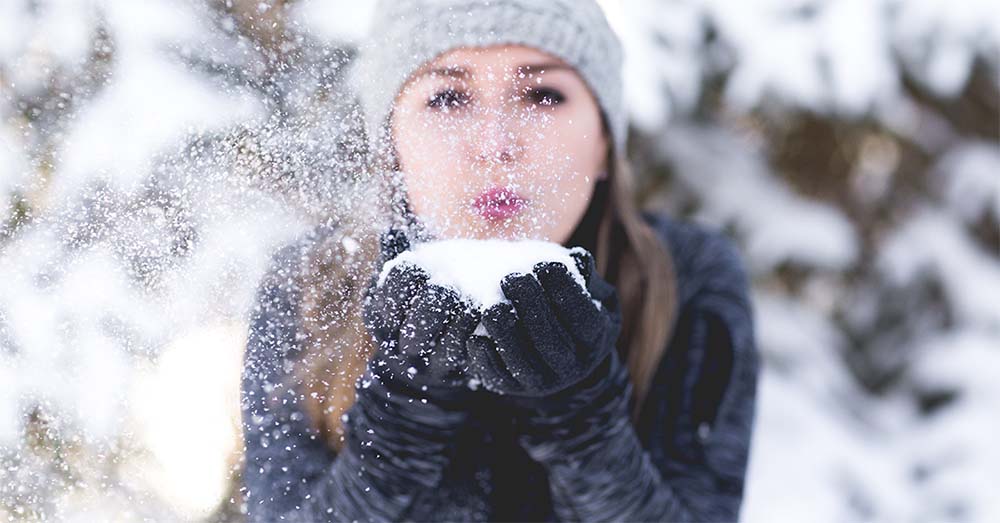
551,336
421,329
412,397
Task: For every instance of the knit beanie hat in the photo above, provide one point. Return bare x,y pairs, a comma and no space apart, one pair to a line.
405,34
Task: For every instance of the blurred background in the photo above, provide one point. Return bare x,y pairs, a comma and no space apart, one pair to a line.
154,153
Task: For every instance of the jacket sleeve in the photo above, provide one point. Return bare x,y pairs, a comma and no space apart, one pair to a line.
290,473
686,458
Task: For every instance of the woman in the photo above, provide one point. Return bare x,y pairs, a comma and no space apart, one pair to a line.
500,119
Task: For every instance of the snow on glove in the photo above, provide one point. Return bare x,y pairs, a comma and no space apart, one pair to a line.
551,336
421,328
410,399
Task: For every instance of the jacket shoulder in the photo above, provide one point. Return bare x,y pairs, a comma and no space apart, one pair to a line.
273,316
699,420
705,258
287,258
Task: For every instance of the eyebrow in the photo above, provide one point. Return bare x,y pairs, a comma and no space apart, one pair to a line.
460,72
541,68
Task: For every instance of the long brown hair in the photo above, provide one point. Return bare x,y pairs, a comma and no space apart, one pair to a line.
334,275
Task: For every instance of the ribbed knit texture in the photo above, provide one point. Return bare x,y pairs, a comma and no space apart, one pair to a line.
407,33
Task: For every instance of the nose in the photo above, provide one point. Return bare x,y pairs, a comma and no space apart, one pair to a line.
495,140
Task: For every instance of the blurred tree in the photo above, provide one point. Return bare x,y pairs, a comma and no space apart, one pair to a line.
850,146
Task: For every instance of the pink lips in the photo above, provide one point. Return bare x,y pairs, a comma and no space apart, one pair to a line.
499,204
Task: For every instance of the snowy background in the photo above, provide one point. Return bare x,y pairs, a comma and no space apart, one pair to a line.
850,146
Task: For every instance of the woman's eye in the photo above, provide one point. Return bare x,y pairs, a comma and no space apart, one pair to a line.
546,96
448,99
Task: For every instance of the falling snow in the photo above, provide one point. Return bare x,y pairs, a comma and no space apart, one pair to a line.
154,154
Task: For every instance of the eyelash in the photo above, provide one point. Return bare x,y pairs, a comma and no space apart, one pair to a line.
447,99
450,98
546,96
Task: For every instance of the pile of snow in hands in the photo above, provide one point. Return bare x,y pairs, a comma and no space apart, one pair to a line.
475,268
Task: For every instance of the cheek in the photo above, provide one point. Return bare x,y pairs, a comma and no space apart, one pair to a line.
427,159
421,143
574,148
571,192
433,187
433,178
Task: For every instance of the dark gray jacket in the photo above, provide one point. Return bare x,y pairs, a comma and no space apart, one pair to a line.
685,459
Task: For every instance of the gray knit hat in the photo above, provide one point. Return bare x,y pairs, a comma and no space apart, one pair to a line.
405,34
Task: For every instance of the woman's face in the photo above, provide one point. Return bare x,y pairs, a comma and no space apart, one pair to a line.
499,142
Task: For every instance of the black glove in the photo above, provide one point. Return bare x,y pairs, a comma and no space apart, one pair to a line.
551,337
411,400
421,329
